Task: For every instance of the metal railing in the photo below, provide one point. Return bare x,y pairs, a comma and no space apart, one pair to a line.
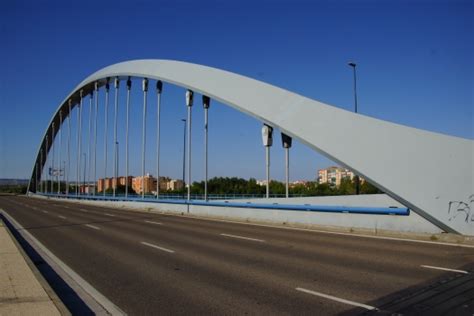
400,211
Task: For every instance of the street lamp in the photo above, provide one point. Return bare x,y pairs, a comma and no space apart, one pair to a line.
286,142
353,65
267,138
184,152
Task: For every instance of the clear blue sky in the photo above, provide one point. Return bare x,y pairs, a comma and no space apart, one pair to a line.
415,67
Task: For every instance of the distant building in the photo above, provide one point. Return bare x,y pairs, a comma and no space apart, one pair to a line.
262,182
135,184
86,189
173,185
104,184
333,175
298,182
149,184
109,183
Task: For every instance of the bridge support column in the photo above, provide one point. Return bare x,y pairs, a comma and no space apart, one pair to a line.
89,139
46,165
114,181
129,87
79,143
41,171
286,142
96,88
52,159
145,89
267,138
68,148
60,149
189,104
106,127
206,102
159,89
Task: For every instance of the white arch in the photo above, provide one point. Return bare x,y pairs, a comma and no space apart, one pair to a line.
423,170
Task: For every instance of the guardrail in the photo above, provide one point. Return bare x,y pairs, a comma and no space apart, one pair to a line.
392,210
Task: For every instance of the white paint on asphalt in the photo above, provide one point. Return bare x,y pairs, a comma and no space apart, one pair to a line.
337,299
45,212
324,231
157,247
444,269
242,237
83,210
111,215
67,273
92,226
156,223
60,216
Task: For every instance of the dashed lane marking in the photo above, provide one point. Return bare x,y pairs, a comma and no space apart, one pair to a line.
157,247
242,237
151,222
444,269
92,226
337,299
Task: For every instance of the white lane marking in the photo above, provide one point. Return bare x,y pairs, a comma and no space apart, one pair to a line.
92,226
81,286
241,237
337,299
321,231
60,216
109,214
156,223
44,212
84,210
444,269
157,247
302,229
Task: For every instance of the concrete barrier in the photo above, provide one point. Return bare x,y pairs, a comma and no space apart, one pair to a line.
412,223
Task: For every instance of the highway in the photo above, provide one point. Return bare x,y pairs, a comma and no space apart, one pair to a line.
149,263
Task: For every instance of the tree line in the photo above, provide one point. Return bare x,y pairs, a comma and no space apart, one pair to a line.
234,185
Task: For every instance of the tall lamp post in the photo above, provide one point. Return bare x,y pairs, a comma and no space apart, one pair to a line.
184,153
353,65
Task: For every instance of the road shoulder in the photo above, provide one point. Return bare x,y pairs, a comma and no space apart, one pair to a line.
23,291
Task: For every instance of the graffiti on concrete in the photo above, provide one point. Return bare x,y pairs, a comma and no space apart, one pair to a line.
464,209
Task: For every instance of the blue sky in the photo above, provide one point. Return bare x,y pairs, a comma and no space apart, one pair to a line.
415,67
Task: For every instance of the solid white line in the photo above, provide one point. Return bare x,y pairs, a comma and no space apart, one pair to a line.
151,222
109,214
44,212
241,237
92,226
54,261
84,210
60,216
157,247
444,269
337,299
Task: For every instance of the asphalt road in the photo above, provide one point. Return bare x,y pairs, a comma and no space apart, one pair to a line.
166,264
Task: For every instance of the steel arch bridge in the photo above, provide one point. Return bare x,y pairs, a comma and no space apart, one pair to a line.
431,173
